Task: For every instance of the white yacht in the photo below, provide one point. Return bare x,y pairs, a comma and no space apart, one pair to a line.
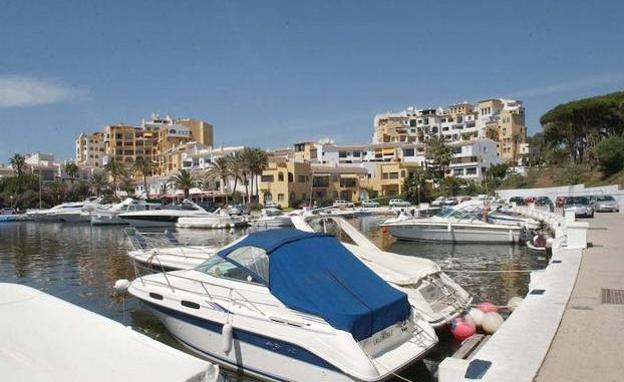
272,218
432,293
109,215
452,225
166,217
218,219
70,212
289,305
165,252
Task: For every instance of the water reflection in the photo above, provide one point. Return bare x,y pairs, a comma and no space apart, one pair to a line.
80,263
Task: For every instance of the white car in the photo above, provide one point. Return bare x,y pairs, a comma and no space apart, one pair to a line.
370,203
438,202
343,204
399,203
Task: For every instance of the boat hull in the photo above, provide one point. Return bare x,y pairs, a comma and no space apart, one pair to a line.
75,218
154,221
453,234
254,354
106,219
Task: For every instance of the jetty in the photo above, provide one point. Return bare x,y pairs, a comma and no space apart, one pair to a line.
566,329
43,338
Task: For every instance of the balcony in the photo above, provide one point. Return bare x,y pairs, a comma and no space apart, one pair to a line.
464,160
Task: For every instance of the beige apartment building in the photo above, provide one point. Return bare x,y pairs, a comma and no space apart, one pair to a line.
499,119
160,140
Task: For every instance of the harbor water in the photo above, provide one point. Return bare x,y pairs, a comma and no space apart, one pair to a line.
80,263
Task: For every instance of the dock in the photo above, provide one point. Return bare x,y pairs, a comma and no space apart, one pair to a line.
43,338
568,326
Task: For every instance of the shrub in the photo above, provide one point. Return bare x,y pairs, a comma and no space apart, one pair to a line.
610,152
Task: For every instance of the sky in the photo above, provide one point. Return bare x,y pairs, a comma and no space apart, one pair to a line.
270,73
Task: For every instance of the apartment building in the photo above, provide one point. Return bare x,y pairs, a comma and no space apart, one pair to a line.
160,140
285,182
499,119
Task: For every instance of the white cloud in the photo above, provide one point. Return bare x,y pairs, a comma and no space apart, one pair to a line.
574,85
23,91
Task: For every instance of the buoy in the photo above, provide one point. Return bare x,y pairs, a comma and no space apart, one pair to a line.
476,316
121,285
514,302
491,322
487,307
226,333
462,329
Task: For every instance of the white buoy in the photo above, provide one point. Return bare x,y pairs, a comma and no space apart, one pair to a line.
514,302
121,285
476,316
226,333
491,322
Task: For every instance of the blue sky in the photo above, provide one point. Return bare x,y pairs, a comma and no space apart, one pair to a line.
269,73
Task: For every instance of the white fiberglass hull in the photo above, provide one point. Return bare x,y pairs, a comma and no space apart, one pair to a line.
173,258
273,222
454,233
78,217
209,222
106,218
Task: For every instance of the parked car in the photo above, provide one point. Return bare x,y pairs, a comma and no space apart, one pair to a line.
438,202
343,204
545,202
519,200
7,211
370,203
580,205
529,199
465,199
399,203
271,204
606,203
560,201
450,201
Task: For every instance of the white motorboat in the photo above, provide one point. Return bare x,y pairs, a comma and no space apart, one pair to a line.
512,219
70,211
109,215
272,218
218,219
166,252
433,294
452,225
167,216
289,305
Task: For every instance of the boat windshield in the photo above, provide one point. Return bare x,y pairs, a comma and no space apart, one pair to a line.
331,227
248,264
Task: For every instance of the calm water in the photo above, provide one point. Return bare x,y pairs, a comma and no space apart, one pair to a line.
80,263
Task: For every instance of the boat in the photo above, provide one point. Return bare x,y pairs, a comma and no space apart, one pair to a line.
167,216
452,225
432,293
272,218
218,219
164,251
512,219
324,315
70,211
109,215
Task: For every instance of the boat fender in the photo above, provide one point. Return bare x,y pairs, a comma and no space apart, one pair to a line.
121,285
476,316
226,334
491,322
514,302
487,307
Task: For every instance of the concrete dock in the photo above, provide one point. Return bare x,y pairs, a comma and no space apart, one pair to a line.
589,343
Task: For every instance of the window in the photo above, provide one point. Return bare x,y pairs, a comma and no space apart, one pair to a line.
280,176
291,177
320,181
408,152
301,178
356,154
280,197
267,178
394,175
342,154
249,264
347,182
471,171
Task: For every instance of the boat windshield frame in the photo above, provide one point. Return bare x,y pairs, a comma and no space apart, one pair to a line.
208,267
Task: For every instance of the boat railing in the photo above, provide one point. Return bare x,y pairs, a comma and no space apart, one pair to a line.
229,291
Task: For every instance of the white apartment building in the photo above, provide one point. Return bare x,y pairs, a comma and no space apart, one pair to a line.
472,159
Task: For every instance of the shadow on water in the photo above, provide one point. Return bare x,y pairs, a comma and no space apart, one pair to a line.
79,263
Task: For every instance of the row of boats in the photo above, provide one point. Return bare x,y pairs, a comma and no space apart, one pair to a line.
315,302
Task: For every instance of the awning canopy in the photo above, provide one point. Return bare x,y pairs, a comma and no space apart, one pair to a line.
316,274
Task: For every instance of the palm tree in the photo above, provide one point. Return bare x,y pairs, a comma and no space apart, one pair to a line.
18,163
115,169
144,167
184,180
220,170
236,166
127,184
247,157
98,183
72,171
259,163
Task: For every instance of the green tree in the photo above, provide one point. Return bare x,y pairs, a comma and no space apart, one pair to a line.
18,163
57,191
184,181
611,155
144,167
414,189
219,170
127,184
258,164
116,170
98,183
71,169
439,157
236,166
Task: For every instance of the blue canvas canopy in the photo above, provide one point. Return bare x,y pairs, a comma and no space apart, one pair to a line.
315,273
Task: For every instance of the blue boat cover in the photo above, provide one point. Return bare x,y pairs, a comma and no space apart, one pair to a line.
316,274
